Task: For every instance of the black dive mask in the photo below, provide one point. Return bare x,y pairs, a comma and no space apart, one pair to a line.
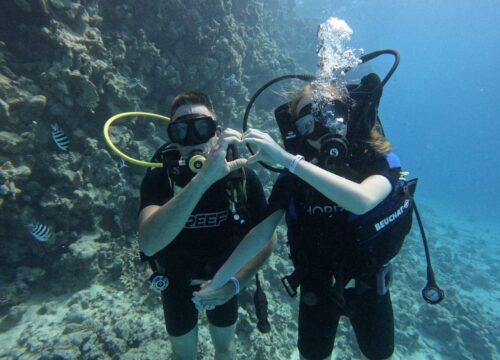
191,129
182,169
327,123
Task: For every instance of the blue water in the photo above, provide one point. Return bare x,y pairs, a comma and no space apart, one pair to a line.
440,109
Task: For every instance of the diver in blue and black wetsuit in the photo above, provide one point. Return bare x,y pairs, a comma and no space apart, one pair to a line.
192,215
343,169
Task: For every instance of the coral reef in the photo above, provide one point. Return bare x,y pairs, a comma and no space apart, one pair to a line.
78,63
83,61
83,293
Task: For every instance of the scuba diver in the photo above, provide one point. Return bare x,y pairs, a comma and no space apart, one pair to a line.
339,170
193,212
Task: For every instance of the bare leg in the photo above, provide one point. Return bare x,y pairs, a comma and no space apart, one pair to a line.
223,340
185,346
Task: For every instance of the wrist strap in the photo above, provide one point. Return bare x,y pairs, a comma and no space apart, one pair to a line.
293,164
236,284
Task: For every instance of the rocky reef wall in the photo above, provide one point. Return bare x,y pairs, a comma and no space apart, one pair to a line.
73,64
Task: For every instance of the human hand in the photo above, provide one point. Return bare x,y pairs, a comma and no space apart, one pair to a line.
268,150
208,297
216,166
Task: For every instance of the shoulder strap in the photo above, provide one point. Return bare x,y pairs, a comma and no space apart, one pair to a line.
236,188
300,262
159,157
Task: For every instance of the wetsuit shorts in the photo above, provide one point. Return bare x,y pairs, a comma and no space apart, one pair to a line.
181,316
370,314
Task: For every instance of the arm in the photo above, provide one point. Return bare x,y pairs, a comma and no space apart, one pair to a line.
256,205
243,261
248,271
251,244
354,197
159,225
209,297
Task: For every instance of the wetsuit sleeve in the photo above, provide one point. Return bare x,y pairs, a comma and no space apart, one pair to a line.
155,189
281,193
257,202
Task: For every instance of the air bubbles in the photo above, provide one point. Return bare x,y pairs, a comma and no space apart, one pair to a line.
335,58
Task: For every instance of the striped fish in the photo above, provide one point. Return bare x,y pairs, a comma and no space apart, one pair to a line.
39,231
60,137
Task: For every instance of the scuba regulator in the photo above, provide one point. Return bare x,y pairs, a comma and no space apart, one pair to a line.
176,164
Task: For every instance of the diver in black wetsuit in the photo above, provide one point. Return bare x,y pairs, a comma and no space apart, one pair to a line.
344,170
193,213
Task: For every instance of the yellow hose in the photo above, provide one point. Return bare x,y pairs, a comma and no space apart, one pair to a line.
118,151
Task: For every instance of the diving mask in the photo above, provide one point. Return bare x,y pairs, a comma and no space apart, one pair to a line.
316,120
326,124
192,129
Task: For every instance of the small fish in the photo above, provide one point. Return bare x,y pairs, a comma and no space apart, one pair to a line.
60,137
122,164
136,83
39,231
231,81
132,83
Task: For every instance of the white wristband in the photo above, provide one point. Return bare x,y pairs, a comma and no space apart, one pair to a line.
293,164
236,284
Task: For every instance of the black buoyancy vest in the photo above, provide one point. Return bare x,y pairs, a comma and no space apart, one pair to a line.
355,245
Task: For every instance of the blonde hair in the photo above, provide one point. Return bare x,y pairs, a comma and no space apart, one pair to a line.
377,141
294,103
